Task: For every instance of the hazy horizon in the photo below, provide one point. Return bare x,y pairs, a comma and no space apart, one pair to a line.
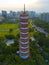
31,5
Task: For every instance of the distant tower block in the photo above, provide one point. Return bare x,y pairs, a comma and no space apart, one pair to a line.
24,36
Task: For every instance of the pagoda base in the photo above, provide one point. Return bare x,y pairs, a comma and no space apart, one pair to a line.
24,57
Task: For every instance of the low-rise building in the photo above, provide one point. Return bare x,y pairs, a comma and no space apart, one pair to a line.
1,18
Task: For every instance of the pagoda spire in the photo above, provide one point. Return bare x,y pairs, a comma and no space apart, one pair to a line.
24,8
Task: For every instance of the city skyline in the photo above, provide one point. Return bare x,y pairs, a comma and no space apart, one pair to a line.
17,5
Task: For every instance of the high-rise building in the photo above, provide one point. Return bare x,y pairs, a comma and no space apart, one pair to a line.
24,36
4,14
31,14
44,17
13,14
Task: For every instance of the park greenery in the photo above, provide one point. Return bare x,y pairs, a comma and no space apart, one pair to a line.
8,28
39,48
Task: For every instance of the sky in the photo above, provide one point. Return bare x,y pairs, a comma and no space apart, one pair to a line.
33,5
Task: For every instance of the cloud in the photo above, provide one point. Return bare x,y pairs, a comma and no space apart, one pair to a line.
39,6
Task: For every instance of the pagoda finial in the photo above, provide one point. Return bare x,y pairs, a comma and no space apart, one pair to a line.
24,8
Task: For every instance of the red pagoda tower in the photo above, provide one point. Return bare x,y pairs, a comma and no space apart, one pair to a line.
24,35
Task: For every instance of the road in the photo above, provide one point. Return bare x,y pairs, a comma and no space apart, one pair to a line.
41,30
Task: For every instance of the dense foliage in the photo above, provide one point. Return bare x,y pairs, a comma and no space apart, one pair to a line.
39,49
